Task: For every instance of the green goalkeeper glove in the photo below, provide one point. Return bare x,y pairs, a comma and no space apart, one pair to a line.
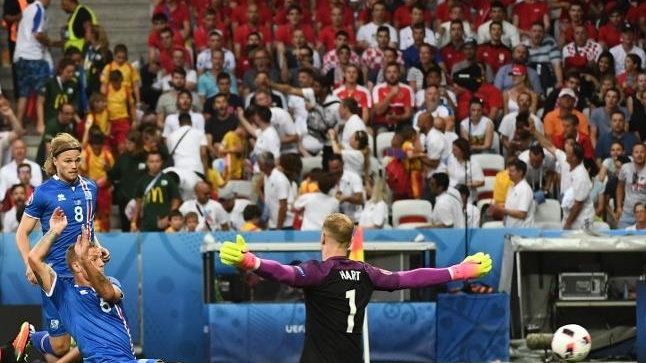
473,267
238,255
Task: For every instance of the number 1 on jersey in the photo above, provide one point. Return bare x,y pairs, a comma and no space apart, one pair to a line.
350,295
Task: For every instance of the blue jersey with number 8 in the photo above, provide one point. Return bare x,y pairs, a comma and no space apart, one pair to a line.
78,201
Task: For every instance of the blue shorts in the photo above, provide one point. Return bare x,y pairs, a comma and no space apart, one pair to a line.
52,319
31,76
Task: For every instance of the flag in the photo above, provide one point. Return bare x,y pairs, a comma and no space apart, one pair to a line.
356,248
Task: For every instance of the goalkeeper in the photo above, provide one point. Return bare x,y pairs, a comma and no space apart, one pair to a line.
338,289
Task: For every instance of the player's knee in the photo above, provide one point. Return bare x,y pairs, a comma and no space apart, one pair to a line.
60,346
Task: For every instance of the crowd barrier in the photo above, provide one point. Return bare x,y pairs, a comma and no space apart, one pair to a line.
162,279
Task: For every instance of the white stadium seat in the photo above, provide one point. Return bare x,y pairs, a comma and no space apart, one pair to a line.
411,213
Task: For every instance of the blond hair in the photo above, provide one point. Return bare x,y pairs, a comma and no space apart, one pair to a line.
339,227
379,192
59,144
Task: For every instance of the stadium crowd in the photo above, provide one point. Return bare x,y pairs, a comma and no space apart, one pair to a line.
249,116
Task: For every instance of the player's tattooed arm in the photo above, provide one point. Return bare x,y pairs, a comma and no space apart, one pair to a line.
44,273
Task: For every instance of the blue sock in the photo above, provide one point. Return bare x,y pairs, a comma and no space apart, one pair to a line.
40,342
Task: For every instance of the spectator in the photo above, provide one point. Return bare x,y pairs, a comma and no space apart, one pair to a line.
265,135
81,19
478,129
473,214
279,189
631,187
24,179
98,115
211,214
160,25
545,57
519,56
610,33
64,123
573,82
518,210
350,89
375,211
188,146
121,110
221,121
608,174
224,87
131,77
294,22
190,222
469,83
205,57
252,25
553,121
30,57
429,62
11,219
571,131
600,117
502,184
507,128
167,103
178,16
461,169
156,195
497,13
251,215
456,14
433,105
129,167
96,159
331,58
261,63
406,34
520,84
640,217
494,52
295,57
281,120
627,46
448,210
529,12
59,89
393,101
581,51
176,223
233,149
356,158
617,133
367,33
350,192
411,53
637,109
97,55
178,59
208,82
372,58
12,129
11,16
9,172
210,25
233,205
319,204
470,60
541,169
574,18
435,142
352,123
328,36
184,103
452,51
628,79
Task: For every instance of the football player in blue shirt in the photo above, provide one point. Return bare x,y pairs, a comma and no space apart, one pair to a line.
90,303
76,196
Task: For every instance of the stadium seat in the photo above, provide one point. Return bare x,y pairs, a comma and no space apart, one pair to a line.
495,143
491,164
241,188
548,213
311,162
383,142
486,191
411,213
493,224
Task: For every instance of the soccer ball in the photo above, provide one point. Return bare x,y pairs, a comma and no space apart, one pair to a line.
571,343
